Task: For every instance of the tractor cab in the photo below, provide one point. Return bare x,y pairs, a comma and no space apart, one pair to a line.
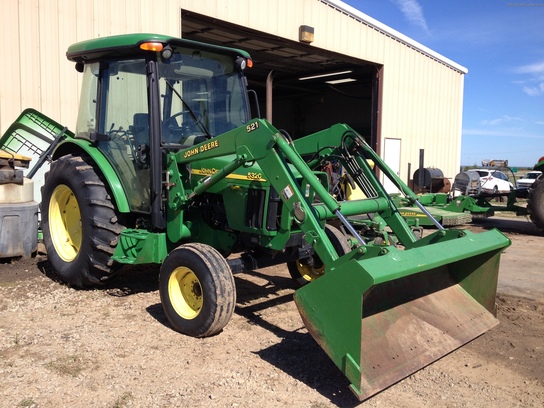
160,94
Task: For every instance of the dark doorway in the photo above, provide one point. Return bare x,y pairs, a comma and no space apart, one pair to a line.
312,88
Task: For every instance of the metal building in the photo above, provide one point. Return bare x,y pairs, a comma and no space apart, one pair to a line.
316,63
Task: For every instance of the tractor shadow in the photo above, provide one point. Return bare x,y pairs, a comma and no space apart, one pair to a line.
514,225
297,353
129,280
300,357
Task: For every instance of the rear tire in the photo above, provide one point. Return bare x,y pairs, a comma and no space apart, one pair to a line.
535,202
79,223
302,273
197,290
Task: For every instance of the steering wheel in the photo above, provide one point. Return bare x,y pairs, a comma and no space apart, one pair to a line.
190,127
172,123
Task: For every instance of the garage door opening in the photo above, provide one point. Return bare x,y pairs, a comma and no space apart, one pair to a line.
309,89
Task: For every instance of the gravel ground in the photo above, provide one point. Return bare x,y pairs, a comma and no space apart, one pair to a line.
113,347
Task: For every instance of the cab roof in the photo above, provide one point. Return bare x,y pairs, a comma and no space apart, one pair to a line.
128,45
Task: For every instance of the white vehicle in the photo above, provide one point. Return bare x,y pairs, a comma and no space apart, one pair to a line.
528,180
494,181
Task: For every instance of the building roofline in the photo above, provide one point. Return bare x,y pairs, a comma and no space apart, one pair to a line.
388,31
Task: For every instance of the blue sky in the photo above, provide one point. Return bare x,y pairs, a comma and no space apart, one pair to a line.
501,44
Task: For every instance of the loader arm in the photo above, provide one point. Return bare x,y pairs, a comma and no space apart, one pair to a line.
344,144
261,143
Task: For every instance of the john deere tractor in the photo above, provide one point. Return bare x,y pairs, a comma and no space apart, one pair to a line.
167,166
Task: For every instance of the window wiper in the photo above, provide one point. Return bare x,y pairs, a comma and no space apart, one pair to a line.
193,114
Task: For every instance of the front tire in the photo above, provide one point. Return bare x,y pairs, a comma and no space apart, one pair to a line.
79,223
307,270
535,202
197,290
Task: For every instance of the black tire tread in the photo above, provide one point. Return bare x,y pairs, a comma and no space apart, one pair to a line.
222,297
226,288
92,266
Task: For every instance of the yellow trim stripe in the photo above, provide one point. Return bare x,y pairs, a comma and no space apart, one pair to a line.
411,214
209,172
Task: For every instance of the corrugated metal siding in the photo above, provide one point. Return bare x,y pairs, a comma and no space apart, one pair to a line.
36,72
421,104
422,95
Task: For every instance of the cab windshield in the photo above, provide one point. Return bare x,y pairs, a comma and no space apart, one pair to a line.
201,96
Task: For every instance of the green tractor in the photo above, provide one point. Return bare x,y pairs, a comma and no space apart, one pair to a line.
167,166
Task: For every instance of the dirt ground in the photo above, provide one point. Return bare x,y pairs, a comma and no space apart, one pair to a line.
113,347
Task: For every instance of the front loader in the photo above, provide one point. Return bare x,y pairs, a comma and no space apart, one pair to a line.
167,166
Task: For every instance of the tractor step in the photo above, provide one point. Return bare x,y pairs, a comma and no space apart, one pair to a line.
140,247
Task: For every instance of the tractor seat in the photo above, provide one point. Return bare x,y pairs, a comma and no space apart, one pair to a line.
140,128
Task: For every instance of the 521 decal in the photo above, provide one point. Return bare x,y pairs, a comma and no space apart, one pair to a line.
252,126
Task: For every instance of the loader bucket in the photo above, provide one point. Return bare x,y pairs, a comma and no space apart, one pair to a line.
381,314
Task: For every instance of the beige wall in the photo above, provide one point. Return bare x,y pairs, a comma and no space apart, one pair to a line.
36,72
422,95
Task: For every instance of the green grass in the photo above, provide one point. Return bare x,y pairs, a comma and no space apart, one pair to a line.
27,403
122,400
71,365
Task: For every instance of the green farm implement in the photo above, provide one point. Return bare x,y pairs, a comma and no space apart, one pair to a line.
451,209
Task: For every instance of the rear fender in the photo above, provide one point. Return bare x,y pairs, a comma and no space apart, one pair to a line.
35,135
70,146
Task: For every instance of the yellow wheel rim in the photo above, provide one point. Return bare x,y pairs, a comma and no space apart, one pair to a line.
65,223
309,273
185,293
